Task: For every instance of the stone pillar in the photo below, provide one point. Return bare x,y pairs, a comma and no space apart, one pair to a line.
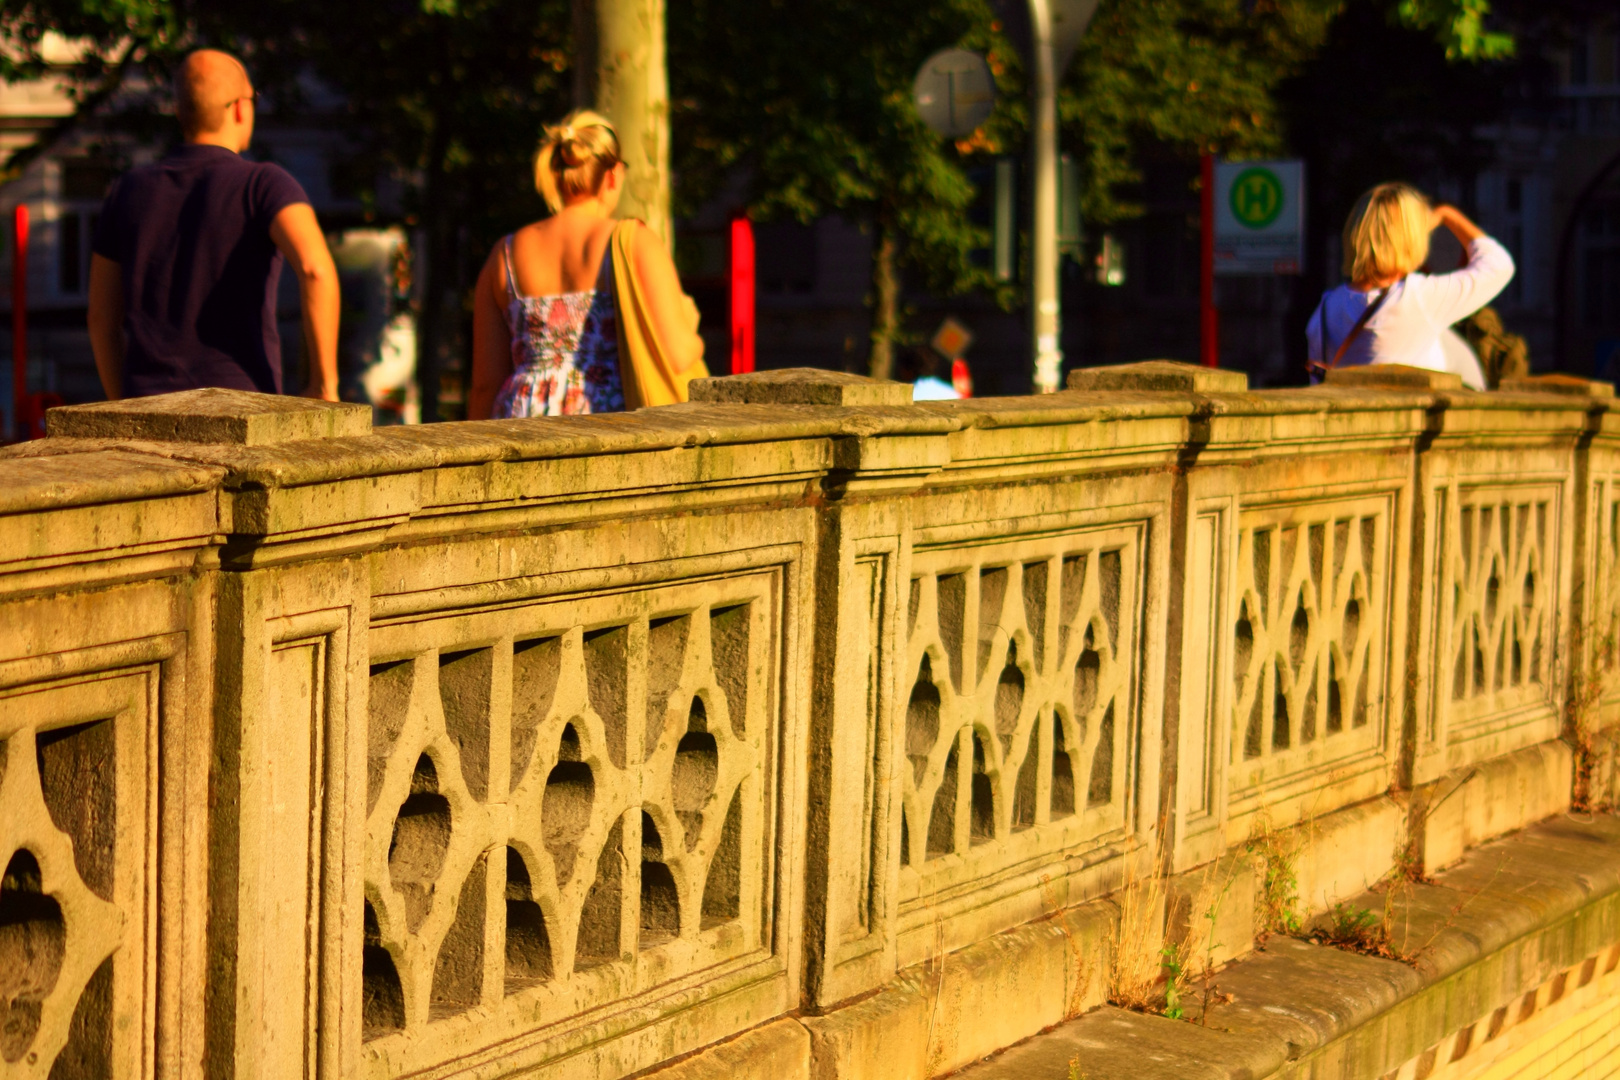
289,720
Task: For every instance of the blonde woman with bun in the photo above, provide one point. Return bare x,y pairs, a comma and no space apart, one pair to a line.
1389,313
580,313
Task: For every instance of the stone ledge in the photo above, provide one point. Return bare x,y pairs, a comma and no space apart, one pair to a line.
1514,914
801,386
944,1014
1479,803
1558,384
210,415
779,1050
1159,376
1393,377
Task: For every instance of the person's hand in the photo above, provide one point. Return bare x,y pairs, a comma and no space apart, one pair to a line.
320,392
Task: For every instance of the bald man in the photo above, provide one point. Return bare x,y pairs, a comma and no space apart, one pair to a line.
188,255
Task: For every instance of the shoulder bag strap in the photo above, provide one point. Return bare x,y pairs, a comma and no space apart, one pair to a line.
511,279
1355,331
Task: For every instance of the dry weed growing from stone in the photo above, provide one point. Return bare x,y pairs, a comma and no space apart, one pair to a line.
936,962
1081,966
1204,918
1134,957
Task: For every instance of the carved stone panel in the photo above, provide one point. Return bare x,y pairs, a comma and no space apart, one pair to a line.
569,804
75,758
1497,617
1020,709
1309,641
1601,632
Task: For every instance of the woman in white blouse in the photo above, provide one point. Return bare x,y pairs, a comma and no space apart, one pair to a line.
1385,240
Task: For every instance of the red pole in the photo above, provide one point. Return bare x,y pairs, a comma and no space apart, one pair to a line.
19,322
1208,317
742,295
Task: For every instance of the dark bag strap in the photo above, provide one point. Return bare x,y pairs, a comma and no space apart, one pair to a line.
1355,331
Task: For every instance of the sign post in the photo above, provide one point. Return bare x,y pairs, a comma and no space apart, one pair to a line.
742,295
19,325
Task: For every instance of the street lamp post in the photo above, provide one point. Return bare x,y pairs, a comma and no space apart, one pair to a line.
1046,33
1045,305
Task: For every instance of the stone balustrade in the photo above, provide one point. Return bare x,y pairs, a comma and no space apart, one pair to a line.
571,747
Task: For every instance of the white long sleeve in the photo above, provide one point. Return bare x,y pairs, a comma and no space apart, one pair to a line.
1406,328
1448,298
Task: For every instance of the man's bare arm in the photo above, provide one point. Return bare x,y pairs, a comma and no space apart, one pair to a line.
106,323
298,236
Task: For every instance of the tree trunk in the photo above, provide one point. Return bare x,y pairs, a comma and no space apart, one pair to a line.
632,90
885,303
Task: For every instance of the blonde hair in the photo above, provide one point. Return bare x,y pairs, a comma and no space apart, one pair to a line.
574,156
1387,234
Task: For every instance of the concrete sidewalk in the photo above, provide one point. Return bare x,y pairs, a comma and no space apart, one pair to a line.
1511,972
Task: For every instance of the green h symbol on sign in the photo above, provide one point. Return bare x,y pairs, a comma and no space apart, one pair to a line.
1256,198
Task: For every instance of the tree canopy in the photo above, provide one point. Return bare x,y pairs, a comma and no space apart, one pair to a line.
811,102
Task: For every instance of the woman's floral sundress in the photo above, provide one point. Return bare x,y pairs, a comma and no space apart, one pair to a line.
565,350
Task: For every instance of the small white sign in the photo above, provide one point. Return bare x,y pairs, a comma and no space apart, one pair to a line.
1259,217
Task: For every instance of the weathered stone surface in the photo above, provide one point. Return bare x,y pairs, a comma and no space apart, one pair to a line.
211,415
1558,383
858,738
1484,801
1161,376
776,1051
1298,1009
1393,377
802,386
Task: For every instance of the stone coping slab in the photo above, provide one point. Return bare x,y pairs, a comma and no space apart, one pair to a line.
1172,376
33,484
260,441
1512,913
802,386
211,415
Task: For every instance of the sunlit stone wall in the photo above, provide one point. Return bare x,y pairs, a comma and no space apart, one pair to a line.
569,747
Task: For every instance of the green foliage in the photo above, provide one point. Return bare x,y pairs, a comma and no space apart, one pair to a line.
105,33
1278,911
1459,25
1174,977
1187,76
814,101
1349,923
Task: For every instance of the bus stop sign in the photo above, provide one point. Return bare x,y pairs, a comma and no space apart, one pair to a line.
1259,217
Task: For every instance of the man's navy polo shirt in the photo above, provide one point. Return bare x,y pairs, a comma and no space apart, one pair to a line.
191,234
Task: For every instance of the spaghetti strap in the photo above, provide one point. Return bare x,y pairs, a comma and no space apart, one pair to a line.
511,281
